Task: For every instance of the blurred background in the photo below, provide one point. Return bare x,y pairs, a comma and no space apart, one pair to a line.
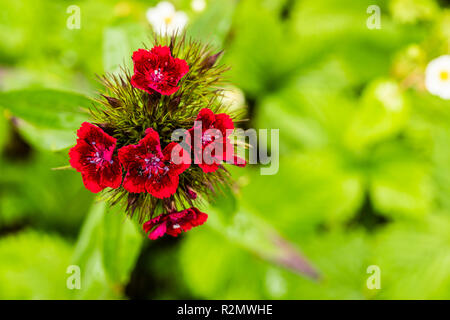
364,173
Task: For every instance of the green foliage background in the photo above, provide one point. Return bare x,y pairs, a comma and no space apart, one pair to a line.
364,173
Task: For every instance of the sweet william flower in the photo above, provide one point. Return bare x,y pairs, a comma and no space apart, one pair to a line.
158,179
148,169
156,70
93,156
437,77
174,223
215,130
165,20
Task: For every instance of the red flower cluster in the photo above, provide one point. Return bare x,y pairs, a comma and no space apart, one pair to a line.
175,222
156,70
148,167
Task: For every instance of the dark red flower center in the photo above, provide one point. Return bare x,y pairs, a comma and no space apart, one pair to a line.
155,166
156,76
101,155
207,138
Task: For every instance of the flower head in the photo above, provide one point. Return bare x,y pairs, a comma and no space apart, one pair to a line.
165,20
156,70
214,130
175,222
148,169
148,111
93,156
437,77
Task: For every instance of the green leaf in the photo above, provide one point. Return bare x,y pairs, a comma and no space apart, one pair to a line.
47,108
341,258
121,245
309,189
118,44
257,66
383,113
115,49
217,276
214,23
260,238
32,191
402,188
414,259
33,266
312,111
225,203
107,249
46,139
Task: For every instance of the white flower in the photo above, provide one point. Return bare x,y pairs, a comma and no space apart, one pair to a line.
198,5
233,97
437,77
165,20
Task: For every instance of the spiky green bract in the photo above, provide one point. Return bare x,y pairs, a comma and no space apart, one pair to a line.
126,112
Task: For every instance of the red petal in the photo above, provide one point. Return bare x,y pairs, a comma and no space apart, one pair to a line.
151,223
210,162
231,158
141,58
166,90
208,167
134,182
91,181
180,159
151,142
159,231
174,232
91,133
182,67
127,155
207,117
111,174
78,154
134,179
223,122
163,186
238,161
200,219
161,51
138,81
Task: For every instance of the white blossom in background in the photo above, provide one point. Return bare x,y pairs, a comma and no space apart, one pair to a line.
437,77
233,97
165,20
198,5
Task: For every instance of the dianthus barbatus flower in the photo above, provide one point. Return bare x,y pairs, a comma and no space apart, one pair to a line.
175,222
214,130
93,156
141,114
156,70
150,169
